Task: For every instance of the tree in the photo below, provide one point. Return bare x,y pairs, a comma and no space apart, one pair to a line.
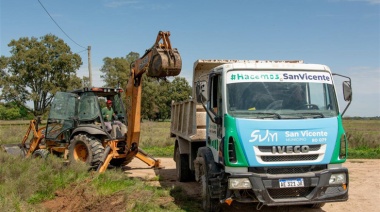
117,70
176,90
37,69
156,95
180,89
3,66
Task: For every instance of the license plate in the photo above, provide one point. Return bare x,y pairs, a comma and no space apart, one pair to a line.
289,183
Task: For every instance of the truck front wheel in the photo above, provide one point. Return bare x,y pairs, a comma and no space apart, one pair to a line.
316,205
205,166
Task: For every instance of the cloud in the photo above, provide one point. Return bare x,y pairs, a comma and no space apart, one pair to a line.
136,4
367,1
365,80
120,3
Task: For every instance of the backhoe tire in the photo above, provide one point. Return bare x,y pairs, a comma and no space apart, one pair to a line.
184,173
41,153
86,149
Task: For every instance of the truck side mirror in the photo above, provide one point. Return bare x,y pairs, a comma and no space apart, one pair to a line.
201,91
347,91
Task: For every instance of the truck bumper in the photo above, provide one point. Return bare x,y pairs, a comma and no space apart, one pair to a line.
316,189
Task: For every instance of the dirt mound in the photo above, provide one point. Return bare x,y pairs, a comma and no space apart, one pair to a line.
80,198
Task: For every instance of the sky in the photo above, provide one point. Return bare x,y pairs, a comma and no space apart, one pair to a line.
342,34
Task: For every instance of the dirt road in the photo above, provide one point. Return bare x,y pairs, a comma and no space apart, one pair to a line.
364,193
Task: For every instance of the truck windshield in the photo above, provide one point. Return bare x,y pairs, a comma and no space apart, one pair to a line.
274,95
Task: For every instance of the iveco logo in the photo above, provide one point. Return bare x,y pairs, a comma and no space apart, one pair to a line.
290,149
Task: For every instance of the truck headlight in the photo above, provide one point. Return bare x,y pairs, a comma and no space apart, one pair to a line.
239,183
336,179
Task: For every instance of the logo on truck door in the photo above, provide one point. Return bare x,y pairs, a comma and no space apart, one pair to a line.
257,135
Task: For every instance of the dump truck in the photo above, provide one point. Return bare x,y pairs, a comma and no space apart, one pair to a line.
262,132
76,129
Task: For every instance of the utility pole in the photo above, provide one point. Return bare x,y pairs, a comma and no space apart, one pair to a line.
89,66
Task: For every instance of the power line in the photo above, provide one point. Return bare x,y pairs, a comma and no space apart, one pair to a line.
59,26
81,51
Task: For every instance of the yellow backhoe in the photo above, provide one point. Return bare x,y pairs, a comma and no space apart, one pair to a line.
76,129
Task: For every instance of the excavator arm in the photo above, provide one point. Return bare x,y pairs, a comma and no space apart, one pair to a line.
159,61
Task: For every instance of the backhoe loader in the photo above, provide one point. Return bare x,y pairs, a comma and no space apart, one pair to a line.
76,129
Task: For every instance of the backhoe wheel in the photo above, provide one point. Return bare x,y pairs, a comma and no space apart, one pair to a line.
40,153
184,173
206,165
85,149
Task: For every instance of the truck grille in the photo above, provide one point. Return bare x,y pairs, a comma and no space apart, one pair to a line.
269,148
282,193
289,158
273,154
286,170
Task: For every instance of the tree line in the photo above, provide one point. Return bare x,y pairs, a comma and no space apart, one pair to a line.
37,68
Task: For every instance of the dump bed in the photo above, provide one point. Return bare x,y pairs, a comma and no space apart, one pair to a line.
188,118
188,121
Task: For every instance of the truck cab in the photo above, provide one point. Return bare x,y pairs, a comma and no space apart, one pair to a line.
273,134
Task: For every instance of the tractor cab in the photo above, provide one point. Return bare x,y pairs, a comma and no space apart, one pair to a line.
80,111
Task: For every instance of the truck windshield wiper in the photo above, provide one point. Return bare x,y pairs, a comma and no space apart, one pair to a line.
269,115
312,115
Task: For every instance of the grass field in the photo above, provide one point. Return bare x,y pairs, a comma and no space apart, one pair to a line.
25,184
155,136
363,138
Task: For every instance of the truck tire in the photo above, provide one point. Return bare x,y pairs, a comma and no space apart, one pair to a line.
85,149
316,205
41,153
207,165
184,174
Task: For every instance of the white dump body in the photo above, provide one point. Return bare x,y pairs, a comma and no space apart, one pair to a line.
188,118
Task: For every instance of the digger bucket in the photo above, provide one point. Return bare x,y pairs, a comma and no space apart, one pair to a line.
13,149
165,63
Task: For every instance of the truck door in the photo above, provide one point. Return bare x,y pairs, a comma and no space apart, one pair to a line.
216,106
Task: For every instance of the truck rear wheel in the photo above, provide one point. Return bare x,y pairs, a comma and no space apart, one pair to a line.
184,173
85,149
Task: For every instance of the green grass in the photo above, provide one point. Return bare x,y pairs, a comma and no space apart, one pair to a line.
26,183
363,138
